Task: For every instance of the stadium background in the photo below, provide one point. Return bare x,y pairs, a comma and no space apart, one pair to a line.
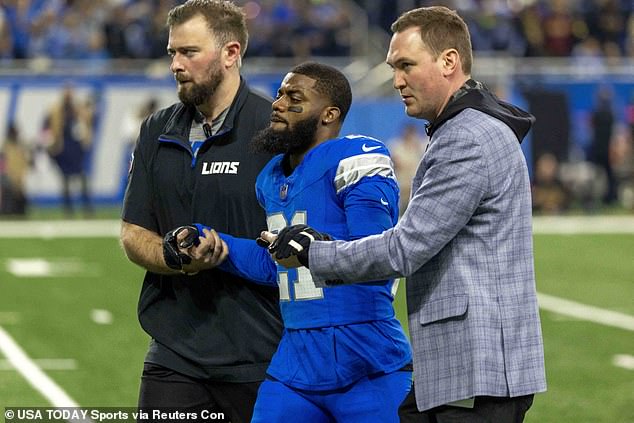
68,296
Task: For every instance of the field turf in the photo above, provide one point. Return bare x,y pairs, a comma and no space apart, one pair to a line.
70,304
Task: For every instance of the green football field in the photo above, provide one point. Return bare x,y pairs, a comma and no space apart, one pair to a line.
68,327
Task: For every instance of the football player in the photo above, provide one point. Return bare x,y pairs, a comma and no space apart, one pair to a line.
343,355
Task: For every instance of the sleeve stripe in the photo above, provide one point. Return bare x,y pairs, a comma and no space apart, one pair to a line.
352,169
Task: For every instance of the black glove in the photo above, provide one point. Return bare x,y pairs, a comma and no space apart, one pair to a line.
173,257
295,240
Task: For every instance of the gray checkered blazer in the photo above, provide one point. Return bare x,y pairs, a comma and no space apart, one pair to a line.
465,246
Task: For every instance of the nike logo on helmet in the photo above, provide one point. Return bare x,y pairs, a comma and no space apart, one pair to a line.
368,149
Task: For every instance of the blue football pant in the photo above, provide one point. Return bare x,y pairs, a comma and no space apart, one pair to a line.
373,398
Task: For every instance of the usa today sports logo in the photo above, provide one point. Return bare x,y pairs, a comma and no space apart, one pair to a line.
103,415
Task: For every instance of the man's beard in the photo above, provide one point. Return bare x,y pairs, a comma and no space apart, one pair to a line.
296,140
198,94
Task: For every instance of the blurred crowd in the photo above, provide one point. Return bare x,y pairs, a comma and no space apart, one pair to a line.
135,29
585,30
539,28
86,29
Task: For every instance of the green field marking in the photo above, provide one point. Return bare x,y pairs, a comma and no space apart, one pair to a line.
39,380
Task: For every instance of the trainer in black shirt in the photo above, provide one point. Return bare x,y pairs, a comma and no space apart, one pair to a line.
212,334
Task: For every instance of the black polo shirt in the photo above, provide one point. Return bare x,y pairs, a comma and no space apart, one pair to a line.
212,325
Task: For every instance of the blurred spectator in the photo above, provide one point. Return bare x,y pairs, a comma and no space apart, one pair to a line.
585,182
70,125
530,21
602,131
495,29
157,32
560,29
114,28
588,55
629,115
629,37
550,196
14,167
406,151
331,34
23,16
6,39
138,31
612,53
622,156
260,21
607,21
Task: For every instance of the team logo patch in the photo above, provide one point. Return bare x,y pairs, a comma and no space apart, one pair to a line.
213,168
283,191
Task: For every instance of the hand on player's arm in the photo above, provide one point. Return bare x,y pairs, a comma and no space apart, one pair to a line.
210,251
290,247
187,250
266,240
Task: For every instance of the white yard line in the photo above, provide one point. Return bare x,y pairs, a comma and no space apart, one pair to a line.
51,229
585,312
48,229
541,225
55,395
624,361
583,225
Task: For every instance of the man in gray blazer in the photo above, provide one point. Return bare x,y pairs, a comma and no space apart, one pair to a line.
464,242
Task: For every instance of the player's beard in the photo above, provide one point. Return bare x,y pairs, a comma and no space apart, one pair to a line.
196,94
295,140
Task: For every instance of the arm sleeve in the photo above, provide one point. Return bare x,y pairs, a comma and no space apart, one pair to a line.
247,260
371,206
455,181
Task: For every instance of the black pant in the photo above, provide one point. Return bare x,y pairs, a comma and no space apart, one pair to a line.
168,390
485,410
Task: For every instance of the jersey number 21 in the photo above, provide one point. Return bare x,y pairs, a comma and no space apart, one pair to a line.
304,287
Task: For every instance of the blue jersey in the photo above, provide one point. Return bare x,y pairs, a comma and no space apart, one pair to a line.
345,187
